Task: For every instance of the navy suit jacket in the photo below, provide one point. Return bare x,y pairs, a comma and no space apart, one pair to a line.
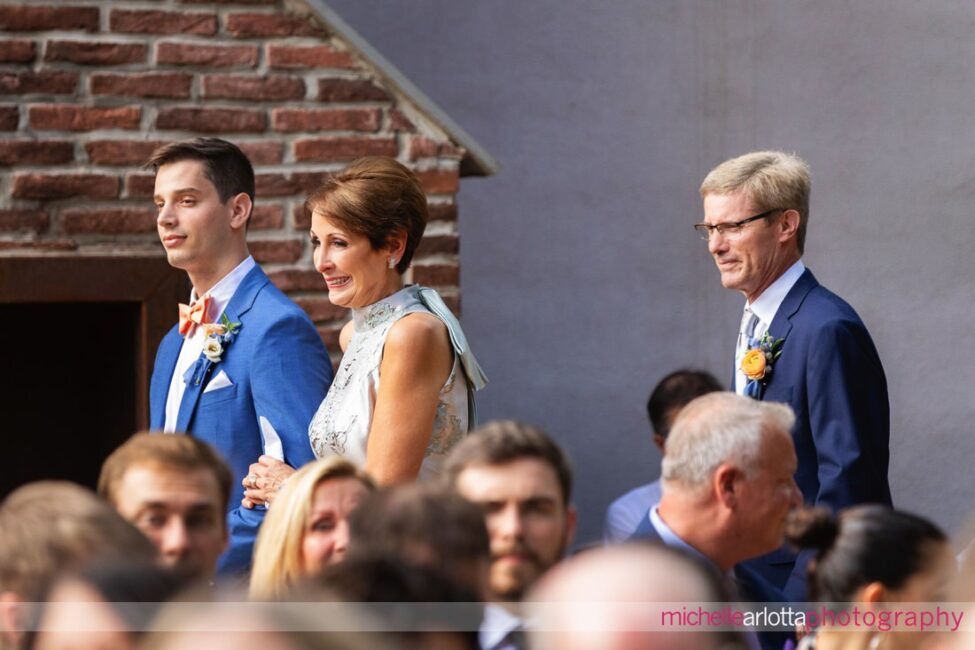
279,371
831,376
752,587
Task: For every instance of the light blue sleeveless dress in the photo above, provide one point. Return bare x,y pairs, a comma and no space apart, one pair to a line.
341,424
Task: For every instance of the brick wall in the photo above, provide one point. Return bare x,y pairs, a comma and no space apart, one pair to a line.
89,88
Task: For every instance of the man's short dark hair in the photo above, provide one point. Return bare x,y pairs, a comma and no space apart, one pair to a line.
505,441
674,392
423,524
224,164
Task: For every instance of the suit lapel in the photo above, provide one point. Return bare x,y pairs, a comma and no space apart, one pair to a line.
240,303
782,323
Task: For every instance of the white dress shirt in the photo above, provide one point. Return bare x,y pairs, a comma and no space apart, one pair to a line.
498,623
220,296
765,307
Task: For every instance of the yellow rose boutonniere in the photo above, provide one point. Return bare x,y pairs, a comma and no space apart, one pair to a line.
758,362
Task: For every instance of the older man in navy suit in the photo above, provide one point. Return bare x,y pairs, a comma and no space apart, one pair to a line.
244,369
798,343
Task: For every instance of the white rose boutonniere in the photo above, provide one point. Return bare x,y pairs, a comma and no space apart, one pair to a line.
218,337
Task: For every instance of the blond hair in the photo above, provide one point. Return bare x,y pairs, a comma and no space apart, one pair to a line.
772,179
277,552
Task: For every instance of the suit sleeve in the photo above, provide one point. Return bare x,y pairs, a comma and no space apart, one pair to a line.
291,373
849,416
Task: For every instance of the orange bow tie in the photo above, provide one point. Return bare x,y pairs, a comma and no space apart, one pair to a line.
192,315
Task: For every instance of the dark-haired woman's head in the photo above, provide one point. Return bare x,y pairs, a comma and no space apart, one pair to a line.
873,553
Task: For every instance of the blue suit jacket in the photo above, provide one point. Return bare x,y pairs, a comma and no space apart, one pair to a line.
752,587
831,376
279,370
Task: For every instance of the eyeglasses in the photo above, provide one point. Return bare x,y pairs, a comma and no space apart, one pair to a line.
730,230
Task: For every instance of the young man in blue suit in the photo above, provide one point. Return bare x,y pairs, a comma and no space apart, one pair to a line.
798,343
244,369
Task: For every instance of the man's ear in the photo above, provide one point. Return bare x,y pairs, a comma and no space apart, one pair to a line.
13,619
661,442
725,484
241,207
789,225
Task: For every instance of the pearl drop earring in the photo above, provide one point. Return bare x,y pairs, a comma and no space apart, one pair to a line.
392,262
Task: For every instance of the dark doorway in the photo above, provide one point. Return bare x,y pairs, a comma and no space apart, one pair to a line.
80,338
70,395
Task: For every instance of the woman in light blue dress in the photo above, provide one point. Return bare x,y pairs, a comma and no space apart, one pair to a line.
403,395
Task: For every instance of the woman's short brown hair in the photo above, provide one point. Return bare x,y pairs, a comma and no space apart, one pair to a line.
376,197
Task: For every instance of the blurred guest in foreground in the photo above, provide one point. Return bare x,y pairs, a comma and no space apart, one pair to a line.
522,481
425,525
105,606
307,528
50,528
403,395
667,399
604,598
872,557
175,490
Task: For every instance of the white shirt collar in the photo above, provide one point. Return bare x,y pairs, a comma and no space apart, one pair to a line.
224,290
767,304
497,623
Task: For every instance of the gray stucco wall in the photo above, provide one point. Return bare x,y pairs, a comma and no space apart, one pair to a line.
583,282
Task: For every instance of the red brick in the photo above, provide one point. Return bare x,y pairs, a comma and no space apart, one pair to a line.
65,117
275,185
34,220
47,245
289,120
23,18
439,181
319,309
251,25
102,53
399,122
168,84
121,152
61,186
229,2
253,88
276,251
140,186
212,120
343,148
138,21
299,218
297,280
9,117
34,152
316,56
263,153
266,217
350,90
47,82
442,211
17,51
437,275
308,182
109,222
421,147
207,55
447,244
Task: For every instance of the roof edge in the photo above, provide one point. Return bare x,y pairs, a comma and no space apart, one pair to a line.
477,161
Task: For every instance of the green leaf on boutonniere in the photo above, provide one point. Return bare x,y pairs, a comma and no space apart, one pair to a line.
230,327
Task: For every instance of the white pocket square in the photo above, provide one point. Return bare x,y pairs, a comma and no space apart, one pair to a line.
218,382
